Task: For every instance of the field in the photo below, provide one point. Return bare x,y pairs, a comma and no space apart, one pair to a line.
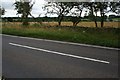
81,24
86,24
88,35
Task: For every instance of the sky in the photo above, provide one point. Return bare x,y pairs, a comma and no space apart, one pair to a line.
36,11
10,12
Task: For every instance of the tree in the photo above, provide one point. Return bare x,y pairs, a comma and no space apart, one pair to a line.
103,8
92,7
95,7
115,7
24,8
59,8
76,12
2,11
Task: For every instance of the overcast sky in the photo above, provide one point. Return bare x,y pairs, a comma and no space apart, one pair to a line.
10,12
37,8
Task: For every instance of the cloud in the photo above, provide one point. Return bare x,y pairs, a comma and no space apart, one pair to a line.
9,8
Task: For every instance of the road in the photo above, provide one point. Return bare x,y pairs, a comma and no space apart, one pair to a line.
37,58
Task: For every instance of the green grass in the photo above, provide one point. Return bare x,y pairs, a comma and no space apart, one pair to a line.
96,36
116,19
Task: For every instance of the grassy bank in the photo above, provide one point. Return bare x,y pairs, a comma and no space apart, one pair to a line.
96,36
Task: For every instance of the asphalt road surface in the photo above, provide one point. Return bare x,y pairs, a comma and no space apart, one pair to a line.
33,58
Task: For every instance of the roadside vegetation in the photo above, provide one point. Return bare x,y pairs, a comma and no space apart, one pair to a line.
69,25
88,35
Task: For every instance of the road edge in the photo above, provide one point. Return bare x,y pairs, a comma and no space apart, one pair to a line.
63,42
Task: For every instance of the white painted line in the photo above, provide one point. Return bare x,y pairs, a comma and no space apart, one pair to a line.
59,53
62,42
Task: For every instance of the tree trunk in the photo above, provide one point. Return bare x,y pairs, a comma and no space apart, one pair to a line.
60,20
96,24
74,24
59,23
94,17
25,18
25,22
102,19
102,22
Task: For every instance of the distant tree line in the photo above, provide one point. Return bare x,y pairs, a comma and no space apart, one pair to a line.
55,19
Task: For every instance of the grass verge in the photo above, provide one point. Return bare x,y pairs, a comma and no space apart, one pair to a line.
96,36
